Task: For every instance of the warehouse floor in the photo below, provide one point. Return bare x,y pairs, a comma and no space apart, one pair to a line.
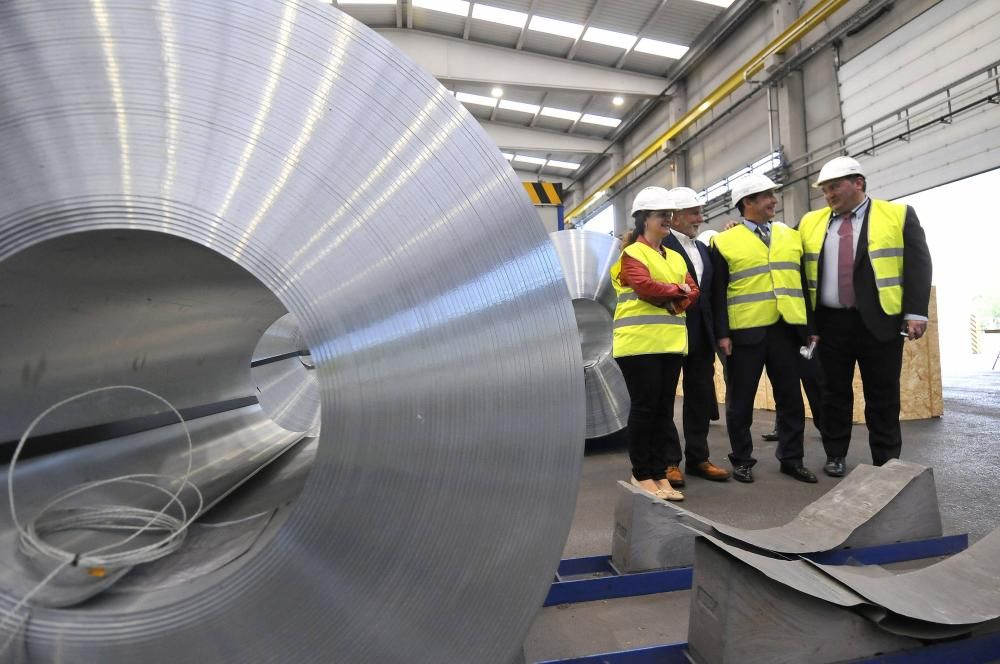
963,448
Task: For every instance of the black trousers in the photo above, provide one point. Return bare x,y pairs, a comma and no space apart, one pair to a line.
653,443
812,378
778,353
844,341
699,399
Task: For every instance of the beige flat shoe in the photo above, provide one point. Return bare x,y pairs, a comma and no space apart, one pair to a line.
669,494
637,484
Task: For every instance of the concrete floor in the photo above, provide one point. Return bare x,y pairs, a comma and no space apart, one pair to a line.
963,448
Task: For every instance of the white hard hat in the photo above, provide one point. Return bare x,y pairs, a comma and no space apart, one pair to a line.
685,197
749,184
653,198
838,167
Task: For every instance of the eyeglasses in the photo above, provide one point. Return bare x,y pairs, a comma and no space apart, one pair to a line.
662,214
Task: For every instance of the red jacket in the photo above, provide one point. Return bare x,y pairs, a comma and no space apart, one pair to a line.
636,276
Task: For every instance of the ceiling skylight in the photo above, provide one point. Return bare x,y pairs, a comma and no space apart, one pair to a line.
600,120
529,160
366,2
555,27
497,15
563,164
560,113
609,38
521,107
457,7
717,3
661,48
480,100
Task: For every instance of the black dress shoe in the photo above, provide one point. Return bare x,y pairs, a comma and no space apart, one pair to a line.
835,467
743,473
769,436
801,473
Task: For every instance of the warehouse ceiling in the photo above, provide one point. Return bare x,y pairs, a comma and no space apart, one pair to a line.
554,82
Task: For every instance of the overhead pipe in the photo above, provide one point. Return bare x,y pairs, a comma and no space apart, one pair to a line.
789,37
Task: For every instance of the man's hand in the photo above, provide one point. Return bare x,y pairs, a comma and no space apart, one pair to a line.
684,288
731,224
726,346
915,329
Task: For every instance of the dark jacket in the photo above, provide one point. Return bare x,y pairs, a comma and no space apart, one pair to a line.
916,279
699,316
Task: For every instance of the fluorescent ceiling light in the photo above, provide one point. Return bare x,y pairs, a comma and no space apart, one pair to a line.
508,156
497,91
529,160
618,101
600,120
457,7
508,105
609,38
497,15
476,99
366,2
563,164
717,3
661,48
555,27
561,113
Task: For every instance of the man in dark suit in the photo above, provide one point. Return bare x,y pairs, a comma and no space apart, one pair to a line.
699,363
869,272
761,319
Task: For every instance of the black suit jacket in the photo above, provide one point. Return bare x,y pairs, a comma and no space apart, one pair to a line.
916,279
750,335
699,317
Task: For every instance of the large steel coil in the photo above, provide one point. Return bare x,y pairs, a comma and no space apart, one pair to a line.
586,260
175,175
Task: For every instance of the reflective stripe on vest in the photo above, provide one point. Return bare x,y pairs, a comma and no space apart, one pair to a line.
885,250
641,328
765,284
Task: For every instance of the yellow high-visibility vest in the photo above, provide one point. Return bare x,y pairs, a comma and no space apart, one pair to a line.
885,250
764,282
641,328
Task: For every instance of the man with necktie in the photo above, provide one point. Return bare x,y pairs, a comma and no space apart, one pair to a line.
699,363
761,320
869,277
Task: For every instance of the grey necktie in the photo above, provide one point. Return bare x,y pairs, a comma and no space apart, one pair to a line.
764,235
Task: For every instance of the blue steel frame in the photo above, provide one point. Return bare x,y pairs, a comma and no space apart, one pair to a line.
613,584
972,650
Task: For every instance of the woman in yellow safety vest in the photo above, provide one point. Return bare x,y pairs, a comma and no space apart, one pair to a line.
650,339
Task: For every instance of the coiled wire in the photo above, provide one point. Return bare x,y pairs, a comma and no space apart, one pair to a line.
130,520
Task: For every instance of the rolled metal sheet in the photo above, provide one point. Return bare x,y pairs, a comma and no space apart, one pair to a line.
301,147
586,260
285,375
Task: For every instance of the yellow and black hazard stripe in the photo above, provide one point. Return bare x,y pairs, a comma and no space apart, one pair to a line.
544,193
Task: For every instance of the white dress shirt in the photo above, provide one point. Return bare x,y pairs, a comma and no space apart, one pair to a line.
691,249
829,292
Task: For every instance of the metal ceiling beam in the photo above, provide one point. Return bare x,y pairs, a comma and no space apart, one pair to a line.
522,139
594,11
524,31
529,176
451,59
642,31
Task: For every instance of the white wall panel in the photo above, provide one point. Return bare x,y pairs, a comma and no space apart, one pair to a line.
952,40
